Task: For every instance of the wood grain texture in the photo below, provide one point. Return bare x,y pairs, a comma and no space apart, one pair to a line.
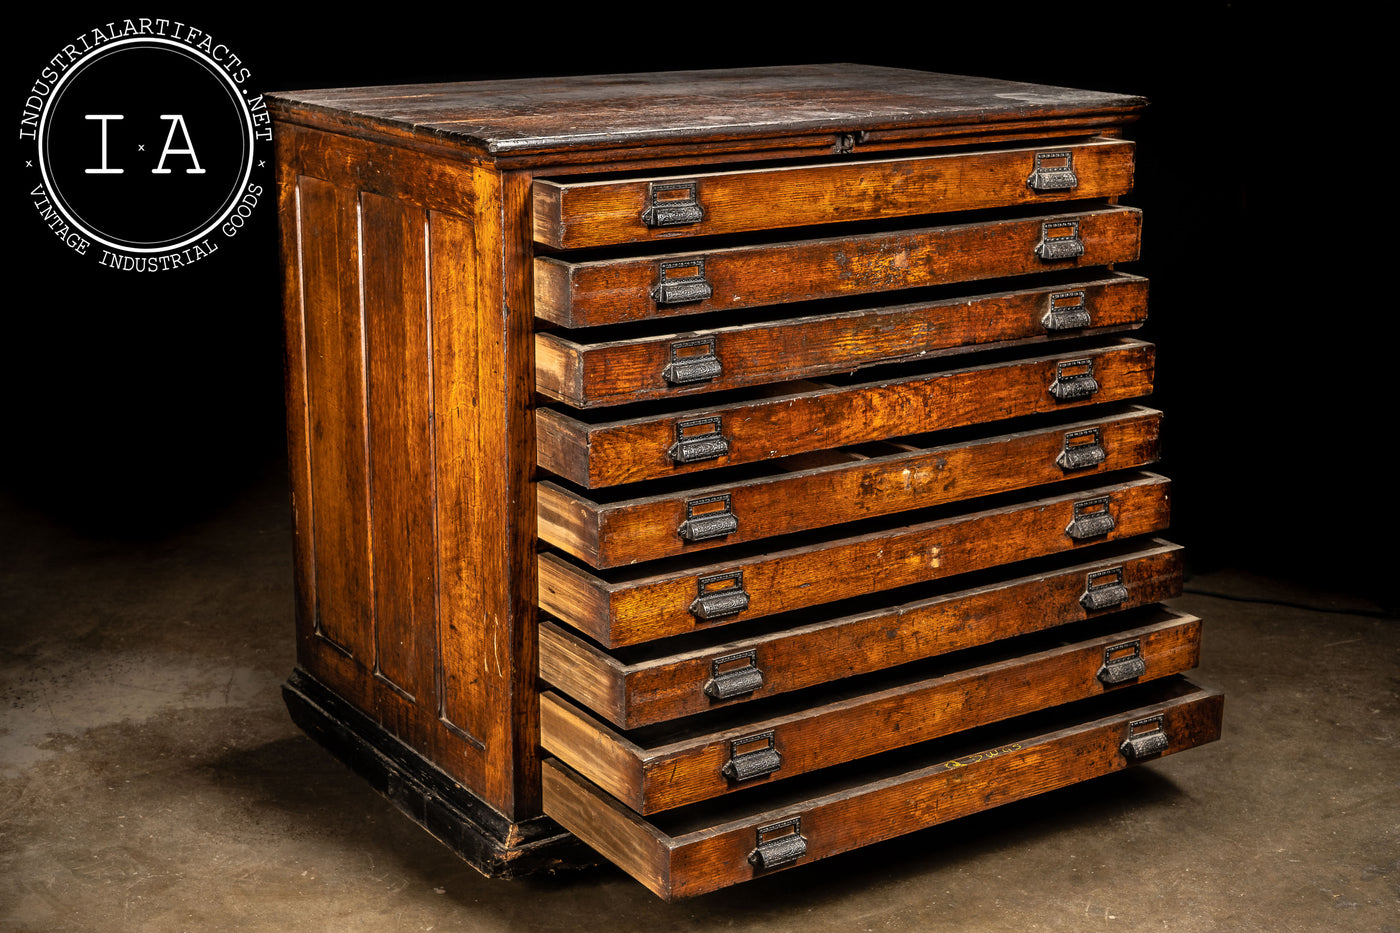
628,531
575,214
675,766
612,291
627,450
684,860
400,441
624,609
409,385
337,405
586,374
661,685
657,110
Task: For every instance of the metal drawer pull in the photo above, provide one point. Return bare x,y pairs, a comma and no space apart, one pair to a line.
1146,737
698,365
1064,315
1122,663
1059,239
714,599
681,288
1054,171
779,843
1074,379
694,444
1082,449
758,762
735,681
1104,589
1092,519
702,524
673,204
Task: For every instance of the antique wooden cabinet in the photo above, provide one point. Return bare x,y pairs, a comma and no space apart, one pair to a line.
725,468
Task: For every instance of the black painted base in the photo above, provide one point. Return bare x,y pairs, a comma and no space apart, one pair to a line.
493,844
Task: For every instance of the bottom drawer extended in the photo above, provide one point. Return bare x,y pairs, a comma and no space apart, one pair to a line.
708,846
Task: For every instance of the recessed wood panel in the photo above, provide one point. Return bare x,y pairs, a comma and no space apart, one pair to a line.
335,379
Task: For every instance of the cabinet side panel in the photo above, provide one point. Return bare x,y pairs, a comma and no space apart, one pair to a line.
401,455
410,457
335,381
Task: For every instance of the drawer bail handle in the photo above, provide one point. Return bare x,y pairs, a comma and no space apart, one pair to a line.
1123,663
734,682
778,844
681,288
1082,449
689,364
1092,519
758,762
694,445
1146,737
1054,171
1067,311
1104,589
672,204
719,595
1059,239
1074,379
709,517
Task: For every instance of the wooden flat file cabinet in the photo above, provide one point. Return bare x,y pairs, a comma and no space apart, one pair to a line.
727,469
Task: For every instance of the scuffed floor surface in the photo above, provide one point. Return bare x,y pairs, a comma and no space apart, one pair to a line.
151,780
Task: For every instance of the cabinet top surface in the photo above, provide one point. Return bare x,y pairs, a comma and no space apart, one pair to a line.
551,114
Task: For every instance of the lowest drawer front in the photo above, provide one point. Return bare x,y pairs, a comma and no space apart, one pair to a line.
704,847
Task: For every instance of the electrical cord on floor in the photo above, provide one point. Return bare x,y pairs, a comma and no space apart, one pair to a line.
1364,613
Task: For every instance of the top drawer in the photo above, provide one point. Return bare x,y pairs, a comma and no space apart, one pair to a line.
577,214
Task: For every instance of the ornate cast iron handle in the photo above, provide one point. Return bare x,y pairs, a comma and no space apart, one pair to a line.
719,595
692,361
780,843
675,287
1104,589
672,204
1145,738
728,683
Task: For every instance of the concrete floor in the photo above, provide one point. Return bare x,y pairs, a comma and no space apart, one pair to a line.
150,779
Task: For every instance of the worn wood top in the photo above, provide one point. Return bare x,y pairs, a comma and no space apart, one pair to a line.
545,114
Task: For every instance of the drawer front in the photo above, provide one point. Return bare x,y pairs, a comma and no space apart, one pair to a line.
856,484
578,214
585,374
670,766
632,606
708,847
612,291
834,415
644,688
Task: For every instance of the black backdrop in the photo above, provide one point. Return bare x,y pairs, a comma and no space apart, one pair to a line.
135,404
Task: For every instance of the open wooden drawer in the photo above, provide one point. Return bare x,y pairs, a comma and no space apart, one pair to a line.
707,846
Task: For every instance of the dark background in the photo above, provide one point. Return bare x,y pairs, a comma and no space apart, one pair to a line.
139,403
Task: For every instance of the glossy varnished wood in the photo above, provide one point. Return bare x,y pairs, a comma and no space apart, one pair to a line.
707,847
587,293
396,350
857,483
573,368
577,214
648,684
626,608
670,766
595,453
